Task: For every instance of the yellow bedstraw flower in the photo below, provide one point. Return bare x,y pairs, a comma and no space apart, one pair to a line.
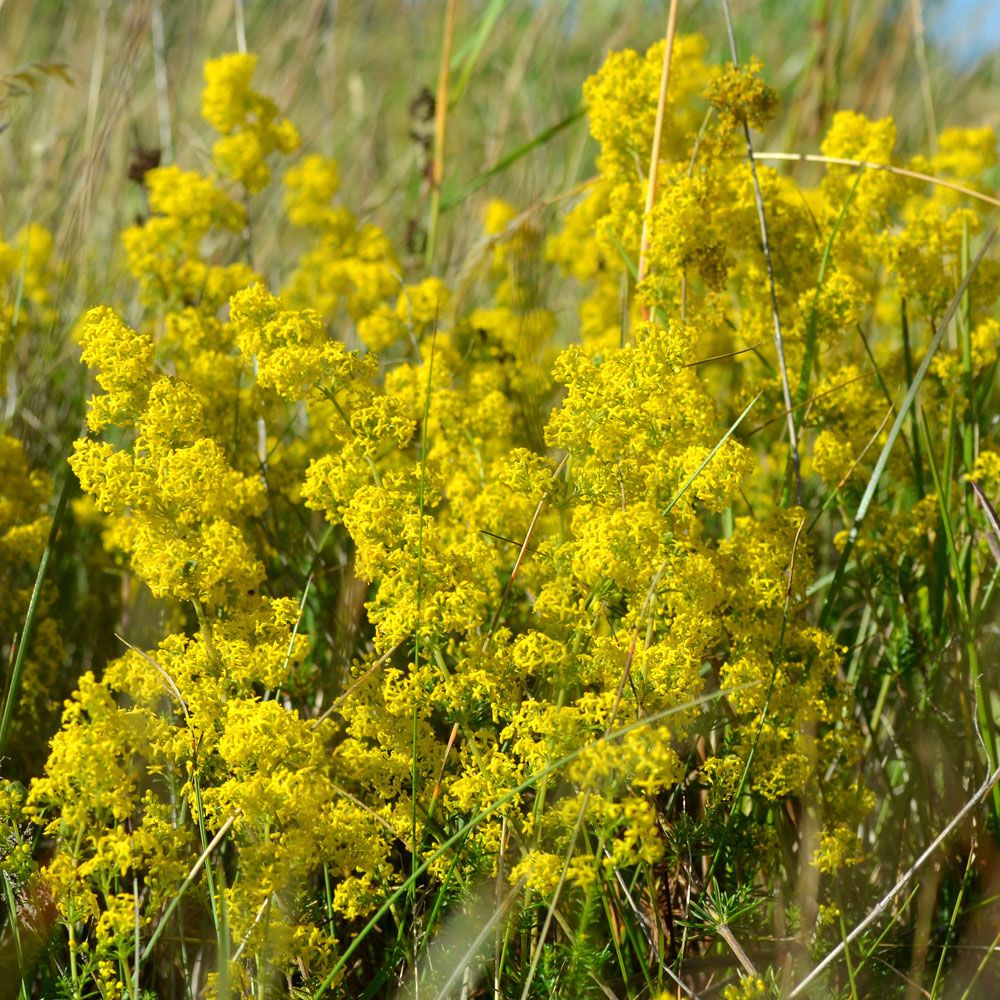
402,582
250,126
124,359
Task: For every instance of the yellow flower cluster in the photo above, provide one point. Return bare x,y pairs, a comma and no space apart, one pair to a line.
748,988
349,265
864,247
164,251
741,97
525,548
290,348
248,122
179,503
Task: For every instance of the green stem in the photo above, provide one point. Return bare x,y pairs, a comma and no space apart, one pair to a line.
14,682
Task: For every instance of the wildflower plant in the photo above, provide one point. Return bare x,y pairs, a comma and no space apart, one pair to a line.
454,603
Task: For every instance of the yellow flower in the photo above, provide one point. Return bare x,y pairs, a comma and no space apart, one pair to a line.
741,97
250,127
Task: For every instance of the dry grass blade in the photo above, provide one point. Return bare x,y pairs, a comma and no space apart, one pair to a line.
723,357
167,679
344,695
916,175
32,77
737,949
381,820
654,156
812,399
981,792
246,937
191,876
991,516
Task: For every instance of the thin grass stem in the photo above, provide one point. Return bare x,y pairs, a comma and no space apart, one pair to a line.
901,414
793,440
980,793
14,680
440,135
654,155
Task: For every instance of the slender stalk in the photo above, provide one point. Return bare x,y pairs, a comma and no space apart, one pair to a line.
654,156
987,955
468,956
16,934
440,134
793,439
14,681
847,959
185,885
74,972
915,175
137,928
737,949
223,987
980,793
956,910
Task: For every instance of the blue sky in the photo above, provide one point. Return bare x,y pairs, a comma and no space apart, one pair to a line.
970,27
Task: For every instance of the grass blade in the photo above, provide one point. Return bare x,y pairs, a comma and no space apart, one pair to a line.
897,426
469,52
991,518
708,458
14,681
980,793
455,199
